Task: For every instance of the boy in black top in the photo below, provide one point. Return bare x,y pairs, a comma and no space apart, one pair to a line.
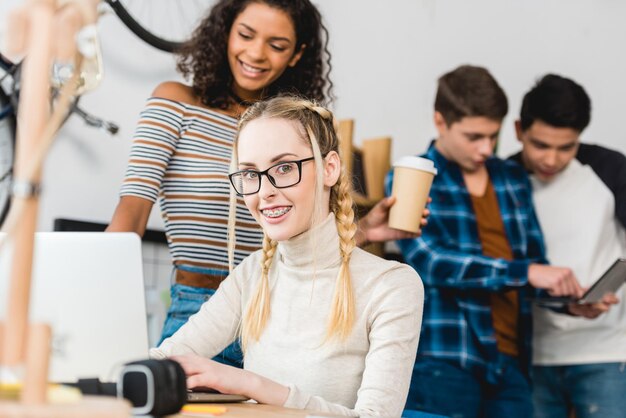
579,192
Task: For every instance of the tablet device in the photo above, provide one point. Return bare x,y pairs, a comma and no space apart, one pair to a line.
609,282
207,395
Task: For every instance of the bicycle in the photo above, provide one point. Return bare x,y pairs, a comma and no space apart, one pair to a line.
9,98
167,34
7,138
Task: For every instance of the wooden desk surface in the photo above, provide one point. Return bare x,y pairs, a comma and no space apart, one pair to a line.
253,410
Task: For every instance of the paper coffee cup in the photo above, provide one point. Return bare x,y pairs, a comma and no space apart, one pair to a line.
412,178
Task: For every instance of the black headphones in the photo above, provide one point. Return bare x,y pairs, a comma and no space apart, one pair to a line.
154,387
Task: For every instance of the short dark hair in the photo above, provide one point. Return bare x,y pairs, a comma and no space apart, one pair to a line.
556,101
470,91
204,58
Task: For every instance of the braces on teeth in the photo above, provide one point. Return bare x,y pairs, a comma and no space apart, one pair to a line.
274,213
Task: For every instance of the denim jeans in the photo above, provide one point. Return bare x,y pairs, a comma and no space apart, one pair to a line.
592,390
441,387
186,301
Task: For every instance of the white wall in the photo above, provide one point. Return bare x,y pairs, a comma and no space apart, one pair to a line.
386,59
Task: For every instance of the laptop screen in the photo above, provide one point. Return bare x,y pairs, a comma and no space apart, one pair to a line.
89,288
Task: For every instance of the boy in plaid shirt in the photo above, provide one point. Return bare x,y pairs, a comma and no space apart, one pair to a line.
481,258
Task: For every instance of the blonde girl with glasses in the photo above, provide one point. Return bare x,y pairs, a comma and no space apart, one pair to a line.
324,326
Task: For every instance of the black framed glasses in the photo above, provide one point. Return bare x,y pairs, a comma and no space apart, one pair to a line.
282,175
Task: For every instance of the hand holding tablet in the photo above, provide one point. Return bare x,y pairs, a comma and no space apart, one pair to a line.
595,309
608,284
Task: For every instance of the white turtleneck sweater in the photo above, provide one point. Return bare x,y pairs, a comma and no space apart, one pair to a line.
369,374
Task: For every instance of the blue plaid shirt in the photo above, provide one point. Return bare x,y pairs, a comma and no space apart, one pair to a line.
457,325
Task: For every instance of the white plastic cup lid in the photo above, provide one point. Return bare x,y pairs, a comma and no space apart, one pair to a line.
418,163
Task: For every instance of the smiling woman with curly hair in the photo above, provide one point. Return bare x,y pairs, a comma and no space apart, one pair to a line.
205,59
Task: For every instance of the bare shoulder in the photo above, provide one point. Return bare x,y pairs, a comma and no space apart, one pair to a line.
176,91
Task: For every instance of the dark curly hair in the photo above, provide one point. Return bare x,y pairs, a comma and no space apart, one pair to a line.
204,57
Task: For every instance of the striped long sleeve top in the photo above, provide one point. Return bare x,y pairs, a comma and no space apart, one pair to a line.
181,155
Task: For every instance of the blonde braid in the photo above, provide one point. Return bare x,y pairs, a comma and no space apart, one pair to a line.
232,215
258,311
321,111
341,319
343,305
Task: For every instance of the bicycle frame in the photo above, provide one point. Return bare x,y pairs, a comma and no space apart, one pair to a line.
9,68
7,65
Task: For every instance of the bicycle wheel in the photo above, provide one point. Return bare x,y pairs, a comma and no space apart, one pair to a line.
163,24
7,153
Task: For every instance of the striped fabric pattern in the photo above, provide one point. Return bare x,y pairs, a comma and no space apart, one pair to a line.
181,155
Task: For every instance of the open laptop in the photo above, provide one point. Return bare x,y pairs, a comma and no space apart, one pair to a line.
89,287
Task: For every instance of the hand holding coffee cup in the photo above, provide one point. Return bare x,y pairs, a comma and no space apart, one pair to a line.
412,178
